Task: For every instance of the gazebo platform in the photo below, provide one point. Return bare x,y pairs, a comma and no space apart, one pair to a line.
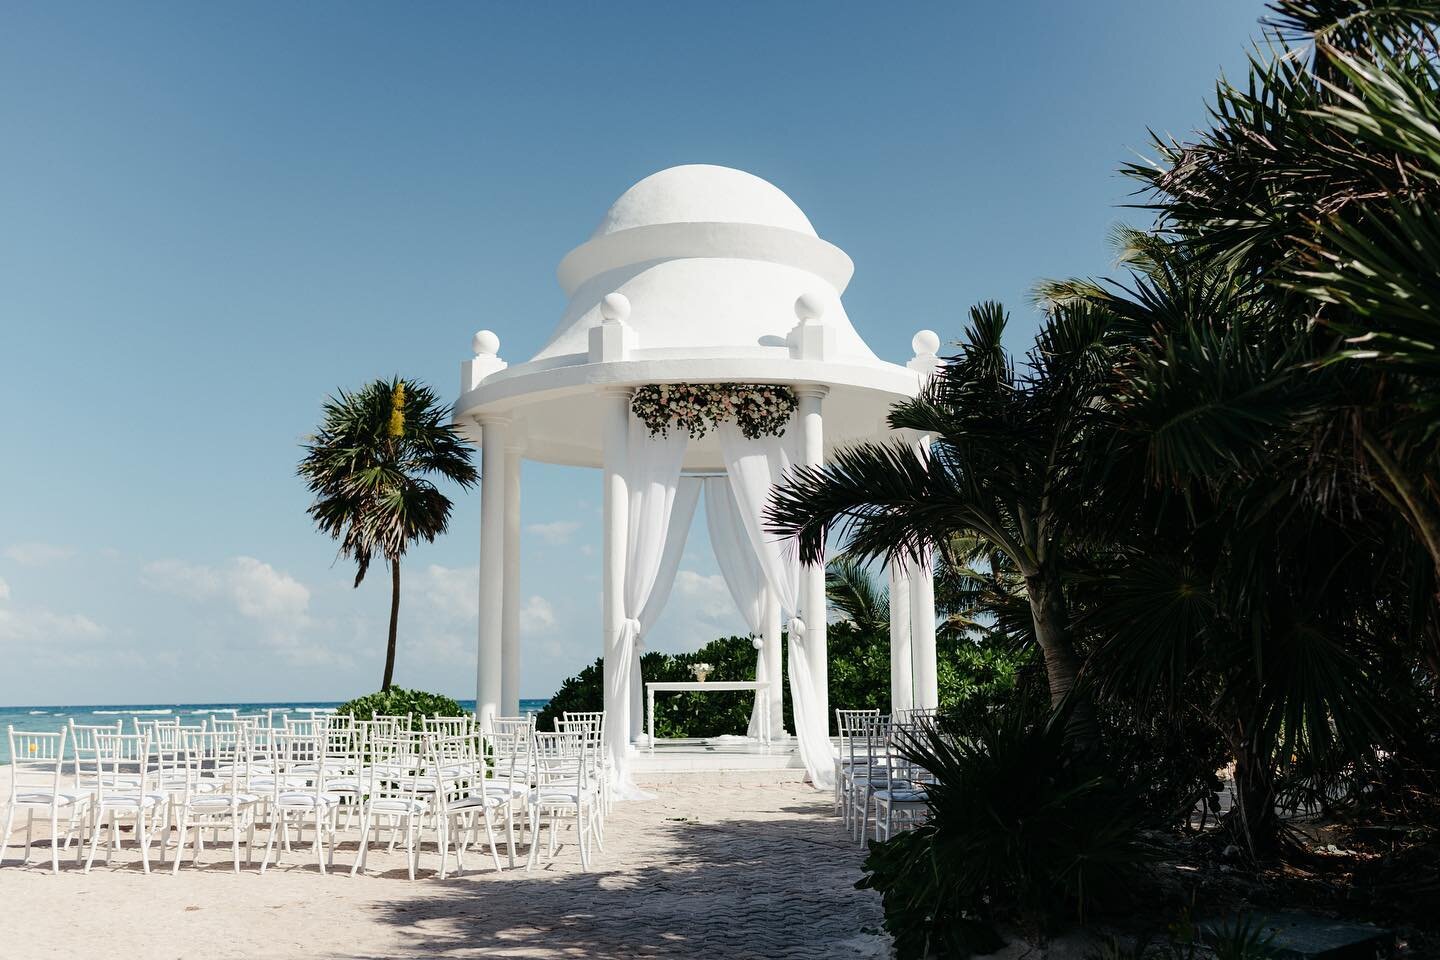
748,759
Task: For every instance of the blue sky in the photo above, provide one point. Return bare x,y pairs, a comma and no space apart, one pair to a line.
213,215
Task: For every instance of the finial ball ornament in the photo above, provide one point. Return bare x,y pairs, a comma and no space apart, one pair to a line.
486,344
615,308
809,306
925,343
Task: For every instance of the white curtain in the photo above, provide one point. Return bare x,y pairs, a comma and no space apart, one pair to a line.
753,467
652,474
682,512
746,582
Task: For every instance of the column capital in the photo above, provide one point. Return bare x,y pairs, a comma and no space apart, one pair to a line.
624,393
492,419
811,391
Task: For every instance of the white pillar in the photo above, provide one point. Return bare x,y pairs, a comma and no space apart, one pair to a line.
616,420
812,578
902,678
510,620
488,666
922,632
774,668
922,626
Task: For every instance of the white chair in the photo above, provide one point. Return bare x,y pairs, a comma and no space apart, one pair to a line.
115,771
591,729
395,787
562,789
869,769
205,803
514,769
902,800
298,796
462,801
604,766
849,758
37,783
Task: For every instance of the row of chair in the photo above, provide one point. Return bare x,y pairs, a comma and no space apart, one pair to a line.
438,775
876,779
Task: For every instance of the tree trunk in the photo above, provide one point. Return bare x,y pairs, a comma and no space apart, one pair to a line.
1254,811
394,624
1050,616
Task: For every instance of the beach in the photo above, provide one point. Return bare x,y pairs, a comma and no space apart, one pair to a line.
712,866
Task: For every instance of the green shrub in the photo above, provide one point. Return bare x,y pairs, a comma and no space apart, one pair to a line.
398,700
1020,830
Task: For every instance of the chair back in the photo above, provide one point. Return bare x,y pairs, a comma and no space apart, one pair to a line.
448,726
118,765
848,723
561,759
37,762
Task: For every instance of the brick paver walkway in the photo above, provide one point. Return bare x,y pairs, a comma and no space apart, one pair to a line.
707,869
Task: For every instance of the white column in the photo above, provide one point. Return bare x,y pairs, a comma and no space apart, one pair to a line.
922,626
922,632
774,668
616,420
488,666
902,678
812,578
510,620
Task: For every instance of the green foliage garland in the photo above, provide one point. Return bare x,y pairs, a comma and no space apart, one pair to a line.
760,409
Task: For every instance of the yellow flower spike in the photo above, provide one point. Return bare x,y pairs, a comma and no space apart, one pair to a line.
34,747
397,411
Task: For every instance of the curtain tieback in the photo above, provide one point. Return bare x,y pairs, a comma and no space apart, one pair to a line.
797,629
631,625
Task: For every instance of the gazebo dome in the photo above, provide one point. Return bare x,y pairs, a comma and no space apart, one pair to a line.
708,267
703,193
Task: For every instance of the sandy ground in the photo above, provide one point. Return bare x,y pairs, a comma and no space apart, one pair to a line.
709,868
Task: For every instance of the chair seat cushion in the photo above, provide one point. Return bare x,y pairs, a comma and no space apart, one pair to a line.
223,800
554,794
305,800
47,798
501,789
398,805
902,795
472,801
134,801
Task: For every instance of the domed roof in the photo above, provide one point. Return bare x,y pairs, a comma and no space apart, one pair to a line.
703,193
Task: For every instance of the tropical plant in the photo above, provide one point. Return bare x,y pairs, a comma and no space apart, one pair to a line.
398,701
370,468
1010,465
1020,829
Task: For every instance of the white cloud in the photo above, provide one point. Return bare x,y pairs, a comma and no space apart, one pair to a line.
450,591
4,589
537,615
47,627
263,593
37,554
555,533
275,601
707,595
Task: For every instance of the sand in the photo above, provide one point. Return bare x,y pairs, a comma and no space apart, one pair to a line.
709,868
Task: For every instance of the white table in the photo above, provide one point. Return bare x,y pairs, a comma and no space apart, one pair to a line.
691,686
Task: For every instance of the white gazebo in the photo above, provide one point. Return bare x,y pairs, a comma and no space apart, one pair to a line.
696,275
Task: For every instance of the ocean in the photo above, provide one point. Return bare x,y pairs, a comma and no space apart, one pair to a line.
53,718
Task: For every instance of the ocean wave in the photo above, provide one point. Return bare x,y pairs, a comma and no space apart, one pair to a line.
127,713
39,713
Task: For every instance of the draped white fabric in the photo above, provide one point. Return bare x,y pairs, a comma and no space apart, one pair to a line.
745,580
652,474
682,512
753,467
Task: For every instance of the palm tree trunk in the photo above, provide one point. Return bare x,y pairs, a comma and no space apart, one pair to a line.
1050,616
394,624
1254,810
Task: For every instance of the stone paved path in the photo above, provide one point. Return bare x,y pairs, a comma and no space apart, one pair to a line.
706,869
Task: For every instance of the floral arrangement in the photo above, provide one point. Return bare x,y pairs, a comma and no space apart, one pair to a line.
759,409
701,671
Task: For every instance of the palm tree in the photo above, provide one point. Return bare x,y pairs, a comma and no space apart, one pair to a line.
1009,465
369,467
853,592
